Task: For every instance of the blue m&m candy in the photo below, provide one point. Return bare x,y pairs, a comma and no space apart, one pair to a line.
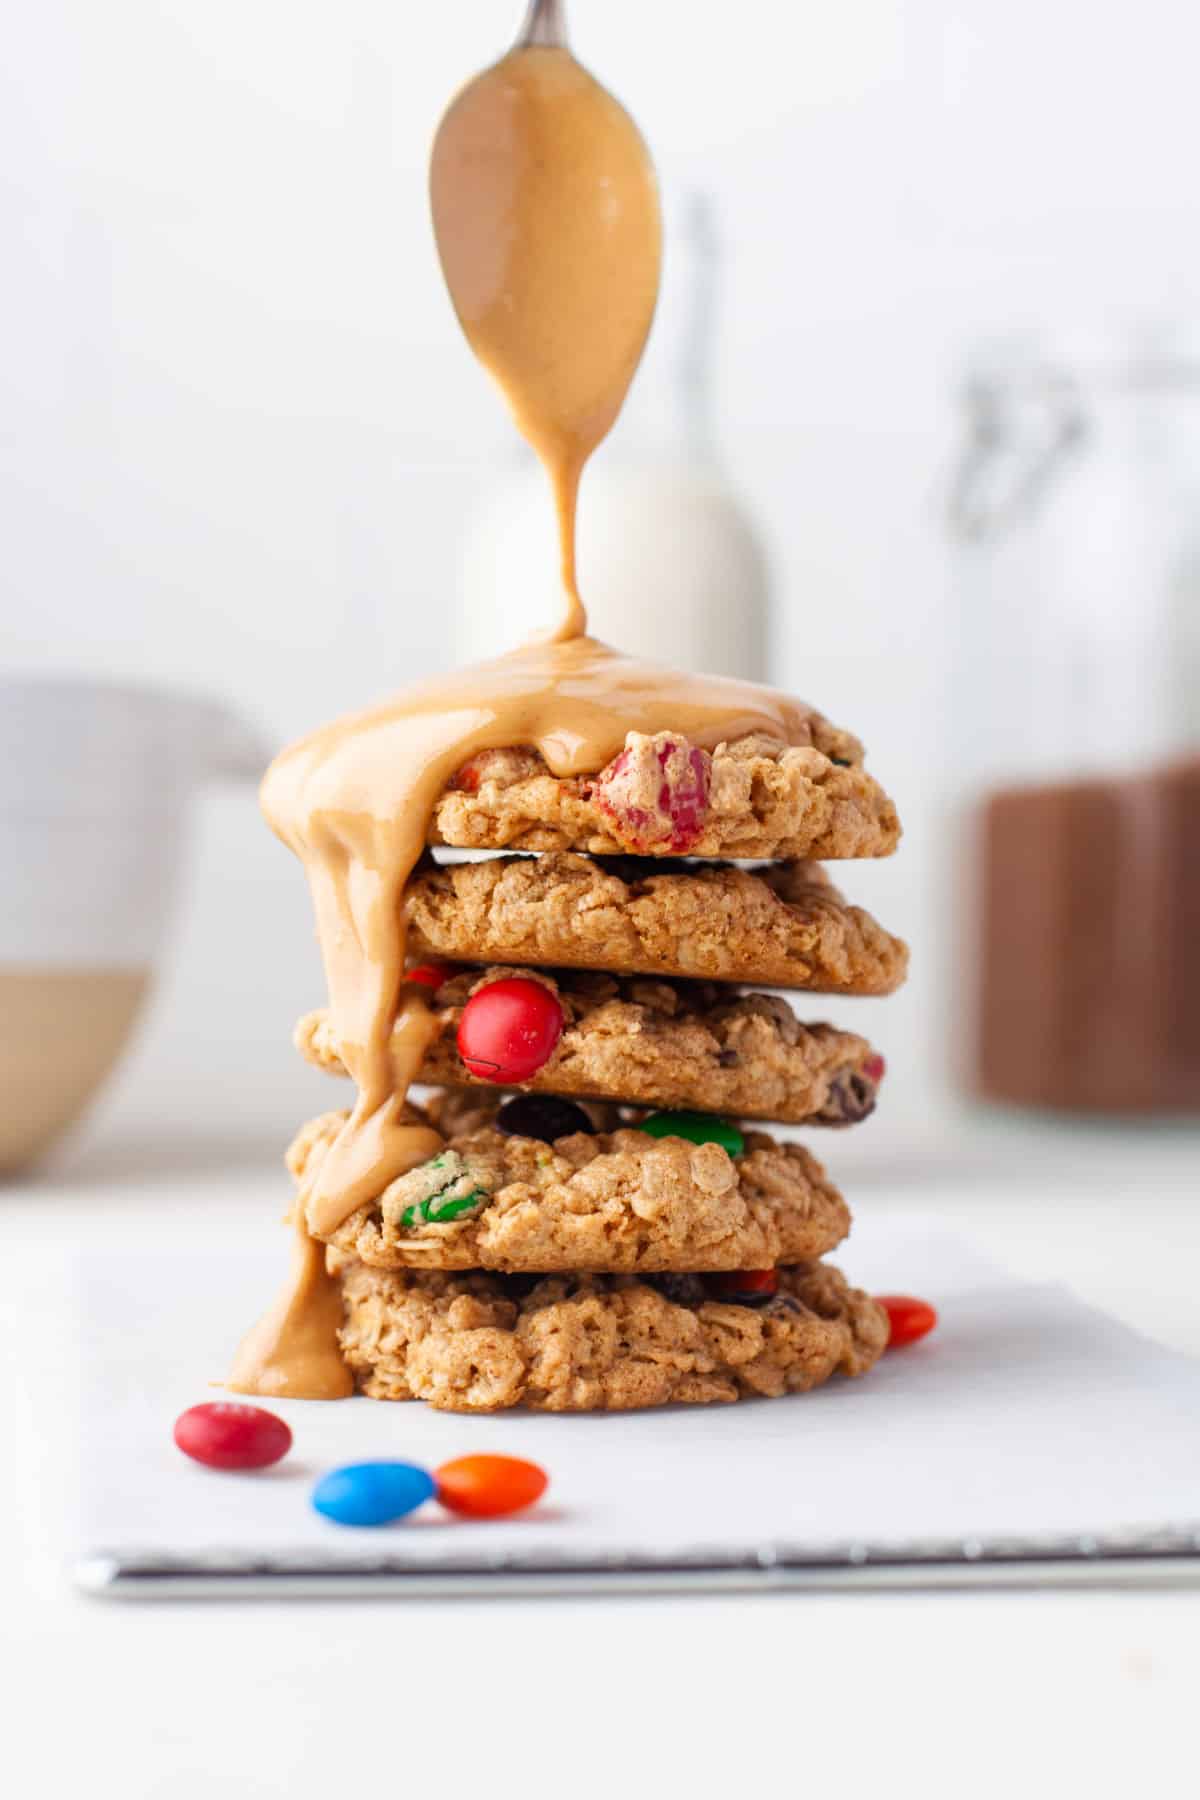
372,1493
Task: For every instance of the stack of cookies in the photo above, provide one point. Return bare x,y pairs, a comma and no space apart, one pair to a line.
608,1226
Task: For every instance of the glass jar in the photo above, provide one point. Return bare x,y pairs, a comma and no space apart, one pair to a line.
1076,507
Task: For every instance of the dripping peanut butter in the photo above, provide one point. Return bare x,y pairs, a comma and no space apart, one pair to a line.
546,213
547,223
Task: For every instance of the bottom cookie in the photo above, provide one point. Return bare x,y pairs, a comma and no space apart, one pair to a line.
583,1343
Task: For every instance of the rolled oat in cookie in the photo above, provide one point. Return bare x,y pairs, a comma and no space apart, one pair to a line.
617,1200
664,796
781,926
660,1043
584,1343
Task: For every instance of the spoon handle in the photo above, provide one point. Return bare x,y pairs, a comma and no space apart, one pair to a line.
545,25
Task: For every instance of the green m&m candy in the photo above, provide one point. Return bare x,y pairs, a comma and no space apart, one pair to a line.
697,1128
442,1189
439,1211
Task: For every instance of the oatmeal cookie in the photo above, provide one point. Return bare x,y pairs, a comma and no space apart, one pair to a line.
584,1343
781,926
617,1201
663,796
663,1044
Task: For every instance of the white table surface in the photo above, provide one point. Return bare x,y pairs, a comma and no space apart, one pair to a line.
980,1693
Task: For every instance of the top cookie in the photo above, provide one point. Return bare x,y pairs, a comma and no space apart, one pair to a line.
663,796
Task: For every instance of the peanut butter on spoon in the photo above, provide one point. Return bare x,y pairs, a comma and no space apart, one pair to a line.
546,214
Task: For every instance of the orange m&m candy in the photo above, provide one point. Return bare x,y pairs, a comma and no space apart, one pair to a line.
485,1487
909,1319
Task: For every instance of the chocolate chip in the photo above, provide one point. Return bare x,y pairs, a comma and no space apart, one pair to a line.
681,1290
728,1059
517,1286
631,869
542,1116
851,1098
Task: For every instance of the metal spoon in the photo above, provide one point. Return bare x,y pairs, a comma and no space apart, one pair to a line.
545,26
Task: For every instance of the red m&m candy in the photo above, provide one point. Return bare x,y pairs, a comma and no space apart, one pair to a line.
485,1487
908,1318
225,1434
431,975
875,1068
509,1029
745,1287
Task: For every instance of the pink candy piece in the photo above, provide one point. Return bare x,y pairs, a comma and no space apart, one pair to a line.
655,794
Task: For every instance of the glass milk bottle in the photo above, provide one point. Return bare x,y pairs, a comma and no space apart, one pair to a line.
1077,512
670,563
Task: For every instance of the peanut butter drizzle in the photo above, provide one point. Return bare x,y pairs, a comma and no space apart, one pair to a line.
292,1353
546,215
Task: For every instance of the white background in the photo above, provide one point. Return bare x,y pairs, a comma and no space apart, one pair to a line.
240,434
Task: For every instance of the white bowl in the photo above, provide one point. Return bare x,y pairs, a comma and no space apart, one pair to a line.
96,781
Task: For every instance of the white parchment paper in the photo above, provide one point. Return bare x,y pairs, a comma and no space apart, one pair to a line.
1026,1413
